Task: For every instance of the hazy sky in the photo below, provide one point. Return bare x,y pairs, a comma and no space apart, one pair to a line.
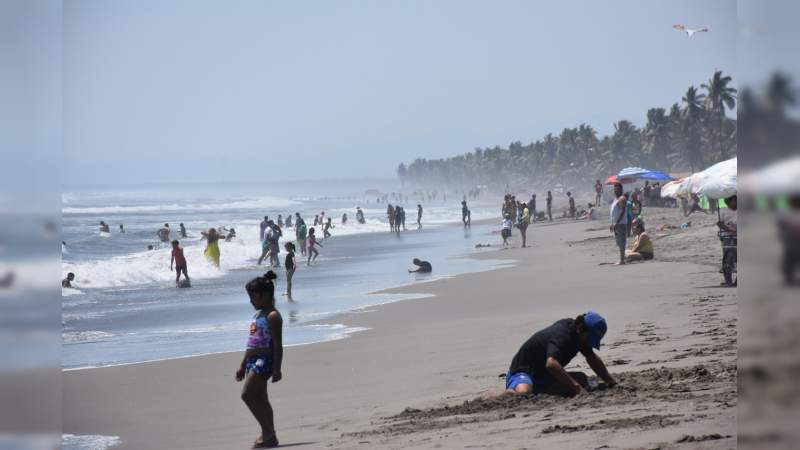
260,90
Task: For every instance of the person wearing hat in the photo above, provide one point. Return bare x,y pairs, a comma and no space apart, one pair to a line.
538,366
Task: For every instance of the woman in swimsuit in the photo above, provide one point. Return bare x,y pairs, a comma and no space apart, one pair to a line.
263,357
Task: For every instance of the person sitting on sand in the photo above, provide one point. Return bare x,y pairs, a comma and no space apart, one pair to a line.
642,249
422,266
538,366
263,358
588,214
67,282
104,227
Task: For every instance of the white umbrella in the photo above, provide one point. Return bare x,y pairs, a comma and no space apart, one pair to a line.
780,178
674,189
718,181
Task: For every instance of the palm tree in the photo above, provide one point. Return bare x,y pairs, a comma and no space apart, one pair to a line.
657,137
692,117
718,97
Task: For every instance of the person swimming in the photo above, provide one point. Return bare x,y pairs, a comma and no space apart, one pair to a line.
104,227
67,282
422,266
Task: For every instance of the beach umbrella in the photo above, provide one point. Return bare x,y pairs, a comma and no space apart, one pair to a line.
674,189
638,173
718,181
615,179
780,178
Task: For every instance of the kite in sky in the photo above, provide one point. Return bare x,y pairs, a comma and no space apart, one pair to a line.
690,31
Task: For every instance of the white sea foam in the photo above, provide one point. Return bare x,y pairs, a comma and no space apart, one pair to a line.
261,203
81,337
88,442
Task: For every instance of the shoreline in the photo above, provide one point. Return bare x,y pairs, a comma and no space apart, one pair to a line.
448,347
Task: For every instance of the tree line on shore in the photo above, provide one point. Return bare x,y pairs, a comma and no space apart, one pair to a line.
689,136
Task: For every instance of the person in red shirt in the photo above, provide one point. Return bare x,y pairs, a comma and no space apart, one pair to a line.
180,262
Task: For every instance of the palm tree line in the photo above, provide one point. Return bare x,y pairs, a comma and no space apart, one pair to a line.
691,135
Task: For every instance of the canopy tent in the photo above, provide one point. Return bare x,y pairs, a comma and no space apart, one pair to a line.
780,178
638,173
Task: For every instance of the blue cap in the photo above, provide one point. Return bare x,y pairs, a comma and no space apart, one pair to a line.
596,326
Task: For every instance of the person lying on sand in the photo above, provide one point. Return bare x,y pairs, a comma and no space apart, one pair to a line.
538,366
422,266
642,245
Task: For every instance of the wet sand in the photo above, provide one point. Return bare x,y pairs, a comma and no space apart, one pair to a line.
416,378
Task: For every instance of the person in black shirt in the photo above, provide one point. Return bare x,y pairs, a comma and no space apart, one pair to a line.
538,366
422,266
67,282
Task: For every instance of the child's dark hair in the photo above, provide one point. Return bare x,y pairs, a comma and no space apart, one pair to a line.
261,284
175,242
289,246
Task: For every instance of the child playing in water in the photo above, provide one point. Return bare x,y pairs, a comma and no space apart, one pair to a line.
290,264
312,241
325,230
180,262
263,356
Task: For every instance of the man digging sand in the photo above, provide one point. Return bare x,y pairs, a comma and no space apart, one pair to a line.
538,366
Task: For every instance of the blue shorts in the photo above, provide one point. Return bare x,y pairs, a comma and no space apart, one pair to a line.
621,235
259,364
512,381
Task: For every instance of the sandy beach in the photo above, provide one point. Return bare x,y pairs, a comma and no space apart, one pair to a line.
415,379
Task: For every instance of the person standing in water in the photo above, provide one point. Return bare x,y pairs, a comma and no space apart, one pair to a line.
464,212
344,219
104,227
274,247
311,250
288,221
326,229
291,265
550,206
263,228
280,220
300,231
390,215
360,215
182,230
121,229
180,262
263,358
212,246
163,233
419,216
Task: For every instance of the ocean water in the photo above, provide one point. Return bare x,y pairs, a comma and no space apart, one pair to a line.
126,308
